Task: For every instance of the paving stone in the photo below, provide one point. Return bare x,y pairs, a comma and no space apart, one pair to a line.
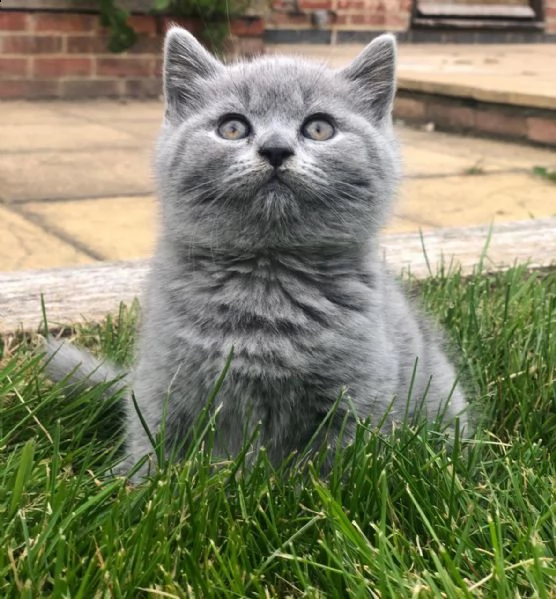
423,161
145,132
61,136
31,113
103,111
487,152
24,245
472,200
117,228
58,175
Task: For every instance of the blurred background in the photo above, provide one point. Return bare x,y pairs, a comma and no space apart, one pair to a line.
80,107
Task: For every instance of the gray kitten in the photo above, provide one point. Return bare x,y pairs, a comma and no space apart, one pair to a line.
275,177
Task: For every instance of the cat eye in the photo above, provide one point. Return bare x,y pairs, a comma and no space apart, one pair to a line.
318,128
233,128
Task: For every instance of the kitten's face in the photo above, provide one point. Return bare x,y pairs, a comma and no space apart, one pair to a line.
276,153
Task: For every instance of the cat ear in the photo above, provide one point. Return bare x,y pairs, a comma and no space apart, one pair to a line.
374,71
185,61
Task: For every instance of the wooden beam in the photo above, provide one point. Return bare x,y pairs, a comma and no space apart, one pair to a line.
90,292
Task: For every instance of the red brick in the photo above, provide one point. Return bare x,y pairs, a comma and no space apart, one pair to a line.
144,24
341,20
28,89
351,5
91,88
316,5
281,18
396,22
85,44
247,27
62,67
248,47
13,21
409,108
192,25
542,130
31,44
366,19
158,67
65,23
125,66
451,116
13,67
491,121
143,88
147,45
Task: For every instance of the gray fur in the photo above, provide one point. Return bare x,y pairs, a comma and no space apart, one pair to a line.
287,271
78,369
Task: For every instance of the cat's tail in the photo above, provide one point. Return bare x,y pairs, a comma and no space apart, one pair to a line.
79,370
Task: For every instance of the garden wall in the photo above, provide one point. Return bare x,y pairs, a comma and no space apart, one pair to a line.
357,20
65,55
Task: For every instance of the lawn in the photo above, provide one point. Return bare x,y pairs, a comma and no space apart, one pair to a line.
398,516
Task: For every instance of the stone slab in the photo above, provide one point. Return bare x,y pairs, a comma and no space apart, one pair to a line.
418,161
115,228
24,246
58,175
115,111
62,136
32,113
475,199
489,154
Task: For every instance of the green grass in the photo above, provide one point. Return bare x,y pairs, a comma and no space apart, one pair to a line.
545,173
399,516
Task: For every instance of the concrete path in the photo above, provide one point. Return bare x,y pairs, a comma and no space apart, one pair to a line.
76,182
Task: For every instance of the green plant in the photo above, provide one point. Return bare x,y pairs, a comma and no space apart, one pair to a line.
122,35
475,169
214,16
545,173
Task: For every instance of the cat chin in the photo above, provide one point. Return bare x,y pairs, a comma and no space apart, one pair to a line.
276,191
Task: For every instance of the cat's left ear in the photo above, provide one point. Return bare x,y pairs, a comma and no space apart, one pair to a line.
374,71
185,62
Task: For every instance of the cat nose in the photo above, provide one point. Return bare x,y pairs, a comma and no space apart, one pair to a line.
275,154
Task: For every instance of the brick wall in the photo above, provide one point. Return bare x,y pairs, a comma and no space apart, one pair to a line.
352,15
550,16
64,55
362,15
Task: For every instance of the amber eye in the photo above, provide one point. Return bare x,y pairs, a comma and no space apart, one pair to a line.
233,128
318,128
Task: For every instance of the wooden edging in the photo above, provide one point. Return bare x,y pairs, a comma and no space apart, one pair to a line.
90,292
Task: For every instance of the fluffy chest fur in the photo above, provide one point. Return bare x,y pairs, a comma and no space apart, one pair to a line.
301,326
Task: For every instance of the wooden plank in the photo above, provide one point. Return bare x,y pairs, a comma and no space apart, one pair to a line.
441,9
72,294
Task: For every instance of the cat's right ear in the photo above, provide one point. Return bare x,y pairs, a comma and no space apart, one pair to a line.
374,71
185,61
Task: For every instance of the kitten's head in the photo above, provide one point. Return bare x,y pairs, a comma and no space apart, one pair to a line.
278,152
